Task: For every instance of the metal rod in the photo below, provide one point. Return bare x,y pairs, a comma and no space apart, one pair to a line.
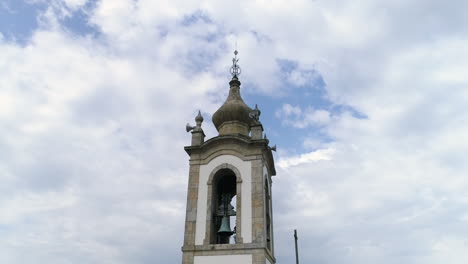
295,242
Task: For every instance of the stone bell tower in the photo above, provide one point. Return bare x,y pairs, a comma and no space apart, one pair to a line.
229,218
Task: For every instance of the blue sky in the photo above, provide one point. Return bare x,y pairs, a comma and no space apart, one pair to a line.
366,101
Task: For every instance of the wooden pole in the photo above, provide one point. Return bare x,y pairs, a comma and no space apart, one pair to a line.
295,242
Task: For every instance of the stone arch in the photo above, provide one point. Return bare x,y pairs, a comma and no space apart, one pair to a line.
211,156
209,212
224,166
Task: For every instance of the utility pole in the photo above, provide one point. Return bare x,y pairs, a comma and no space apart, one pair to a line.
295,242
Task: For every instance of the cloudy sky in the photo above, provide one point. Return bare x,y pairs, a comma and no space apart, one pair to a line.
366,100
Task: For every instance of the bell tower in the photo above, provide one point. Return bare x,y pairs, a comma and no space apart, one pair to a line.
229,218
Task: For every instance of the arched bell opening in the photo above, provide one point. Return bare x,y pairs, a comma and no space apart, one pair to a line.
223,224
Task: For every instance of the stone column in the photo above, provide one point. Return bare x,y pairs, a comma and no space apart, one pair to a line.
258,234
191,211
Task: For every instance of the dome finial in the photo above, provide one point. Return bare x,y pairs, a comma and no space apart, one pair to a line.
197,127
235,69
255,115
199,118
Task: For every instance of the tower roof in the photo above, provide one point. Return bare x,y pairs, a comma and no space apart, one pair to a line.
234,112
233,116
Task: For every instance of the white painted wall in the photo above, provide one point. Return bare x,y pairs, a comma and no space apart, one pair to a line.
233,259
245,169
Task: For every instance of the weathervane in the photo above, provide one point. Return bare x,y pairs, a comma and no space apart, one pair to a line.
235,69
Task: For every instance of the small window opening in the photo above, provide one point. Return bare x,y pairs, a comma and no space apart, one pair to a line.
268,214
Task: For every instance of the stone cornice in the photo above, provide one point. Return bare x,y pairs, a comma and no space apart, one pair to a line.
215,248
238,145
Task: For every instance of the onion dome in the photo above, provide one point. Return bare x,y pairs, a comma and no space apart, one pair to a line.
233,116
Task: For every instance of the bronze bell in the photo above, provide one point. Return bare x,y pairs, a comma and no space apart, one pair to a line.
225,228
226,209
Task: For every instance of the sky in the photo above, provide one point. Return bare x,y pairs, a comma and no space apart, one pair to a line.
366,100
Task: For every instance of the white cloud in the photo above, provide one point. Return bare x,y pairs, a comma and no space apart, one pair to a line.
301,77
288,110
74,4
401,170
92,128
298,118
318,155
29,204
107,122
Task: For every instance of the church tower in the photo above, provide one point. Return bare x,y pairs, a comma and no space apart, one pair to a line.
229,218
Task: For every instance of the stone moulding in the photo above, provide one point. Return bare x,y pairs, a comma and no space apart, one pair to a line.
209,208
237,145
229,249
